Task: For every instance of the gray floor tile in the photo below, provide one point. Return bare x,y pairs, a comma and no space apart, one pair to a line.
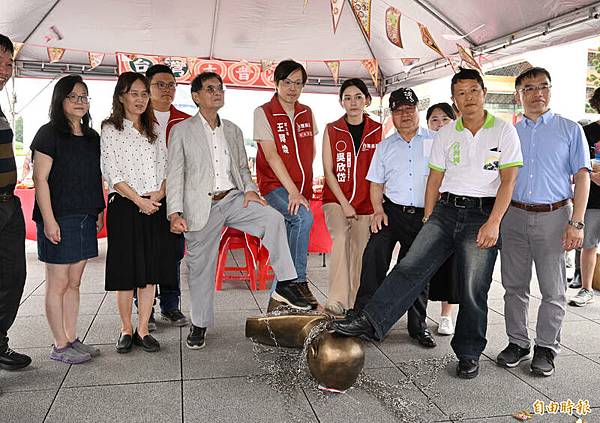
494,392
106,328
34,305
571,380
41,374
222,357
237,399
25,407
399,346
137,366
160,402
362,405
582,336
33,331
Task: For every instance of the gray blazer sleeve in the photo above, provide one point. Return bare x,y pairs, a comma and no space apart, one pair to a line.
175,171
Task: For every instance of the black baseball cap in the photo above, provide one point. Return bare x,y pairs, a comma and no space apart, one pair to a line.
403,96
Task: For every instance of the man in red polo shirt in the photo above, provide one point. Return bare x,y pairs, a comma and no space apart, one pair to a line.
284,130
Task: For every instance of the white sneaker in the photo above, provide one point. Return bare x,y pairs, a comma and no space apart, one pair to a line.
582,298
445,327
335,308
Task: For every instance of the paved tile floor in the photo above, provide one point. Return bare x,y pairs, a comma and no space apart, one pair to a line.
220,382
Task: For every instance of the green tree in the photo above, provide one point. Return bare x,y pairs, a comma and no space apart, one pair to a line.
19,133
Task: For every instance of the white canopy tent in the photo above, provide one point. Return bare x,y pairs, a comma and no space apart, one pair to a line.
278,29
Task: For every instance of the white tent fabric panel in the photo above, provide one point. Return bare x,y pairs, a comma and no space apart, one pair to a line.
254,30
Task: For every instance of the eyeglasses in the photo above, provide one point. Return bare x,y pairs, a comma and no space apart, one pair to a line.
530,89
288,83
74,98
213,89
165,85
138,94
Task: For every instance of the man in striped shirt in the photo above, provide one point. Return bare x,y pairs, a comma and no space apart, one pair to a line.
12,228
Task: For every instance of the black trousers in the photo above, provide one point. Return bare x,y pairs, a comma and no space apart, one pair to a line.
12,264
402,227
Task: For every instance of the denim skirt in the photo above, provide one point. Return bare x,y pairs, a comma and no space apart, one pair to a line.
77,240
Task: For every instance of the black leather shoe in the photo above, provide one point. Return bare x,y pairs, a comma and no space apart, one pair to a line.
148,342
576,281
195,340
12,360
467,369
124,343
424,339
357,325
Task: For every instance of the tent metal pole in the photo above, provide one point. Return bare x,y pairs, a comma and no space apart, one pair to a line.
41,20
444,20
381,89
214,28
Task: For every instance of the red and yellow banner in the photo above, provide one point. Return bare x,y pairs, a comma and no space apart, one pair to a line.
467,57
429,41
55,54
392,26
362,10
240,74
371,66
95,59
336,11
334,68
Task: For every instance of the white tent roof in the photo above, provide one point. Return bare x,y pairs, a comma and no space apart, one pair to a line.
280,29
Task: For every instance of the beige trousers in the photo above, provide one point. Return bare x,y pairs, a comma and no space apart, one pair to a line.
350,237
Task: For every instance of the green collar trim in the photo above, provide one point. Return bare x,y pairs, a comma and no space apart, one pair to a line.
490,120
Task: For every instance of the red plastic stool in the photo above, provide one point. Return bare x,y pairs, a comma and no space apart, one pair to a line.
265,271
232,239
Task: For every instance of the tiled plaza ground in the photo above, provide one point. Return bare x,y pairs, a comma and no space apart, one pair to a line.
181,385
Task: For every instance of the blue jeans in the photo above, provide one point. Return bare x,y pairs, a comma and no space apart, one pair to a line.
297,227
450,230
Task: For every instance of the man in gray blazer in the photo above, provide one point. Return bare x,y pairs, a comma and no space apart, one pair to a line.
209,186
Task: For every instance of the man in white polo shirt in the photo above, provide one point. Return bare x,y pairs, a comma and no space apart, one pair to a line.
474,165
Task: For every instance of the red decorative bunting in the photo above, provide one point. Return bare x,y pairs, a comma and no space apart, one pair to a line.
55,54
409,61
429,41
371,67
334,68
362,10
266,64
336,11
392,26
95,59
467,57
242,74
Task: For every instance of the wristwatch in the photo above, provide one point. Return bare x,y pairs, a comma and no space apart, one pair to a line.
425,220
577,225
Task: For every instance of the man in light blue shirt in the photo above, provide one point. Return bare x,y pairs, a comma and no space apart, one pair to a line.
398,176
541,223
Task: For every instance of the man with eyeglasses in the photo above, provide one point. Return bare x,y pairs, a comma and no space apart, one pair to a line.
209,186
398,175
473,164
284,130
542,223
162,93
12,227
